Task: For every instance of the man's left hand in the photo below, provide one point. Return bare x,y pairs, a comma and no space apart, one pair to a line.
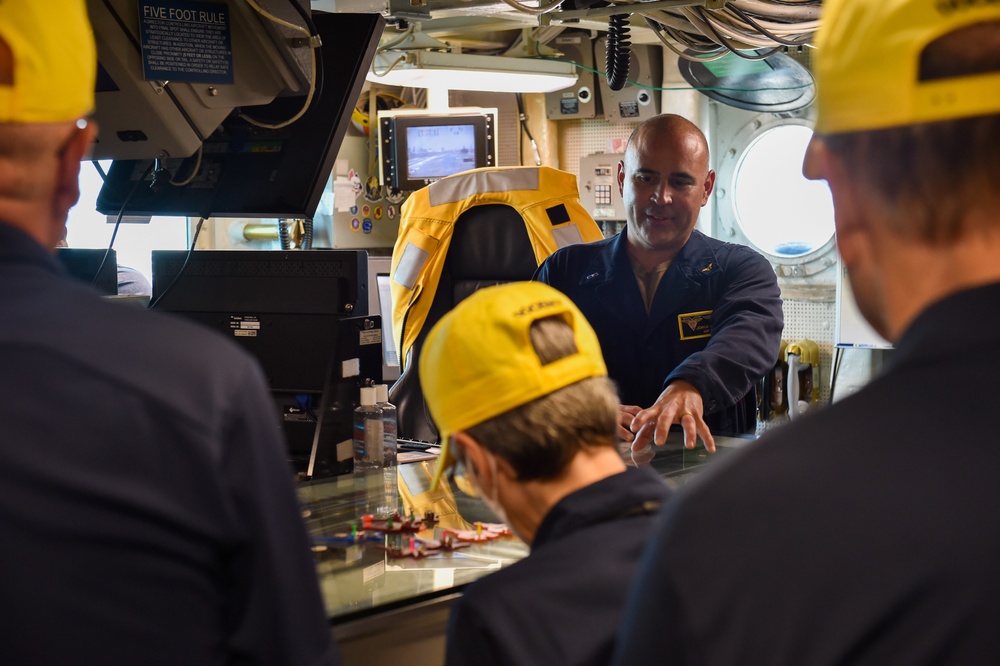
679,403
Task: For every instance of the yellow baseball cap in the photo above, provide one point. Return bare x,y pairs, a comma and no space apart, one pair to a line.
867,64
478,361
54,61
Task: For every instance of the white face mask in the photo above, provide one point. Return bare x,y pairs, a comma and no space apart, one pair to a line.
492,501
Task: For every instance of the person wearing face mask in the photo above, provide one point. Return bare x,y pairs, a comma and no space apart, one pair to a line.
515,381
688,324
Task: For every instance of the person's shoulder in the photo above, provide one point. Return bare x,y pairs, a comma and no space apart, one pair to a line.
133,282
724,248
783,462
578,251
138,344
566,264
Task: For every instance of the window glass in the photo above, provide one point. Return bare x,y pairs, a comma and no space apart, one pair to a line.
134,243
778,210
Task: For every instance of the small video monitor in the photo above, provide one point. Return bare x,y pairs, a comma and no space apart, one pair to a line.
418,149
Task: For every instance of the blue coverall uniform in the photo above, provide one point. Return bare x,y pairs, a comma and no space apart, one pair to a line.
715,322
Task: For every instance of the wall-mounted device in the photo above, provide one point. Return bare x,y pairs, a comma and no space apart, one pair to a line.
579,100
792,387
418,148
245,170
599,192
170,72
802,384
633,103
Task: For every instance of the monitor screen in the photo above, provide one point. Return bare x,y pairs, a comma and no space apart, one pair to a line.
418,149
249,171
437,151
84,263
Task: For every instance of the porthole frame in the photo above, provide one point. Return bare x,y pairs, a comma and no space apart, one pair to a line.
732,154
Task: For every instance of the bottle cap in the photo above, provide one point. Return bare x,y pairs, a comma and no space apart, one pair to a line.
381,393
367,396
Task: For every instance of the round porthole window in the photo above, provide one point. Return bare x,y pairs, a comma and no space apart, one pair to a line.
777,209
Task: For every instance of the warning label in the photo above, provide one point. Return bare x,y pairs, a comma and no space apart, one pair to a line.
184,40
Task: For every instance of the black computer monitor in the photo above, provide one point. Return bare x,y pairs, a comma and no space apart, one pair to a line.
84,264
304,316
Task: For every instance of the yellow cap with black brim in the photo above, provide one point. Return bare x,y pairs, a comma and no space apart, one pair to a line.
478,361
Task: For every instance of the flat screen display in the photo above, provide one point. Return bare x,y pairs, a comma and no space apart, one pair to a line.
435,152
418,149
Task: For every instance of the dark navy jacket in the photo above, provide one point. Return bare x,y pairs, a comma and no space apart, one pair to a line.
148,513
864,533
562,604
716,322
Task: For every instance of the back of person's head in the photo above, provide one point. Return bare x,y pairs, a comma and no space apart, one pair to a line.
908,95
520,370
48,66
48,61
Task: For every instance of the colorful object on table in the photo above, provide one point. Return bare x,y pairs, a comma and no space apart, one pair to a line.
420,548
396,523
482,532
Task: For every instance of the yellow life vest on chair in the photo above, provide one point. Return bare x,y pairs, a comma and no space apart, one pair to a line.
547,200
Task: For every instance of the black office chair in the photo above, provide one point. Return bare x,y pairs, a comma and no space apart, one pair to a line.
464,232
490,246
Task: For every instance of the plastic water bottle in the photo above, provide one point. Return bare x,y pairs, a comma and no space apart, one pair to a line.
368,439
391,489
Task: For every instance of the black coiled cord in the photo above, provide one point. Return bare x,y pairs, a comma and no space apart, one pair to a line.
286,243
284,234
307,234
618,51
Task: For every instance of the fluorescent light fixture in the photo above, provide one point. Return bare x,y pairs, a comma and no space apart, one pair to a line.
463,71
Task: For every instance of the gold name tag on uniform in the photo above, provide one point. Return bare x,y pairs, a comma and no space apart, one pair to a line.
695,325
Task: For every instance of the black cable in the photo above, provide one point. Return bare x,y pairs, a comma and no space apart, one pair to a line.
307,233
311,27
320,74
283,239
617,51
306,17
838,355
100,170
180,272
118,221
524,127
